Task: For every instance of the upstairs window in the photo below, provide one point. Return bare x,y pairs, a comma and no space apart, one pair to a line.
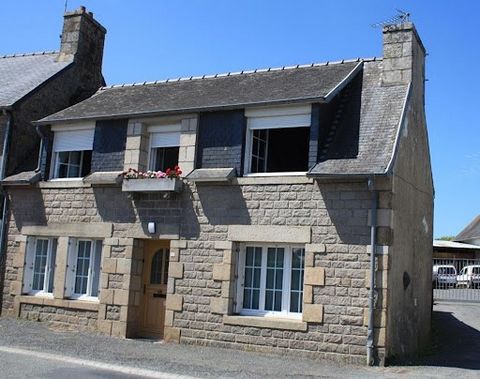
39,268
72,153
277,139
164,147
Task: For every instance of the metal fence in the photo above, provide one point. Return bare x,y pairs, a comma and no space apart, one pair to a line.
456,279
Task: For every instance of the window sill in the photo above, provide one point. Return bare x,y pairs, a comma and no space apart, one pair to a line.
266,322
64,183
63,303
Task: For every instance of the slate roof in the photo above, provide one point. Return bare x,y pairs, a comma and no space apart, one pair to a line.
21,74
364,140
221,91
471,231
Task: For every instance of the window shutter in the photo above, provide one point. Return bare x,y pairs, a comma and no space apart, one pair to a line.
71,267
73,140
95,265
52,264
277,122
171,139
240,270
282,117
28,265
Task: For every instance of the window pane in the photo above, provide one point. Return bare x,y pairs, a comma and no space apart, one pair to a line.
281,141
95,272
75,158
274,283
296,286
86,163
251,293
164,157
40,265
83,264
63,157
73,171
165,266
156,269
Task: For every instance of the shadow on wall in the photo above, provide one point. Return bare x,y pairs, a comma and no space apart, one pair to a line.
222,205
113,205
27,207
454,343
347,206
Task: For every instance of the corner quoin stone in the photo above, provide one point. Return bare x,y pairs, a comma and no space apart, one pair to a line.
315,276
313,313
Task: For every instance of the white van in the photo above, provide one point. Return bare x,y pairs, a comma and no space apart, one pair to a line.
444,276
469,276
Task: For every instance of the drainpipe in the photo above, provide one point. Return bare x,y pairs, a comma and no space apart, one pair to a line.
371,295
3,169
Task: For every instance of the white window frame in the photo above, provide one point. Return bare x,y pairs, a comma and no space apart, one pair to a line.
167,129
73,259
54,166
286,286
298,116
29,269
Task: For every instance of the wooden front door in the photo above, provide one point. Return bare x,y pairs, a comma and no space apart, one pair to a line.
155,276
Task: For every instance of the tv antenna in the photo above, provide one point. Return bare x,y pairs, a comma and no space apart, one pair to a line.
399,18
66,6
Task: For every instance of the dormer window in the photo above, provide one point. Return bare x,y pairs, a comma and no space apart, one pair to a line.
72,153
277,139
164,147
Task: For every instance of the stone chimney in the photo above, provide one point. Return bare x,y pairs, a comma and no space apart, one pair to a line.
82,38
403,56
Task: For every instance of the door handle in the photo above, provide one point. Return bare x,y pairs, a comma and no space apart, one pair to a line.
159,295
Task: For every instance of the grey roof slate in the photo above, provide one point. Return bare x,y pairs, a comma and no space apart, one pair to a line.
20,74
365,135
471,231
220,91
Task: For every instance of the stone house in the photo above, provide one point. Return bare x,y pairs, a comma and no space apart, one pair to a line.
35,85
302,222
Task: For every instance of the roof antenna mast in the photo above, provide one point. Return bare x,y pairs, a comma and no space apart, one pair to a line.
399,18
66,6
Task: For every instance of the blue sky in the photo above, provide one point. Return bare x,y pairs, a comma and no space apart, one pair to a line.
153,39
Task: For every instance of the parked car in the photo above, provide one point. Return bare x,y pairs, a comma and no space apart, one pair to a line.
469,276
444,276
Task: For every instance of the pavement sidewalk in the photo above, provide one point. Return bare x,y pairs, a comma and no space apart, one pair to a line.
20,338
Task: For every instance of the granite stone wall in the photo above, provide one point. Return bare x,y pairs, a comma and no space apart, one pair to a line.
199,299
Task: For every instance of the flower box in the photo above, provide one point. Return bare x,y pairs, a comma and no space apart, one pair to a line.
152,185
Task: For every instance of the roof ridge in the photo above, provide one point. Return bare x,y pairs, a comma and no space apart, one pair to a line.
29,54
221,75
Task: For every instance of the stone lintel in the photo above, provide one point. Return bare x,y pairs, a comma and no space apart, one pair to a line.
269,233
82,230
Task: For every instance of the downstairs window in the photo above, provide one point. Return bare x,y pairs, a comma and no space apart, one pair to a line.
39,270
83,268
271,280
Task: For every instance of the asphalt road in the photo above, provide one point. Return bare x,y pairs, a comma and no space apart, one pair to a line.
30,349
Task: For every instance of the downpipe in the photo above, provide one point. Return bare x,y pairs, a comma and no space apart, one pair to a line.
371,295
